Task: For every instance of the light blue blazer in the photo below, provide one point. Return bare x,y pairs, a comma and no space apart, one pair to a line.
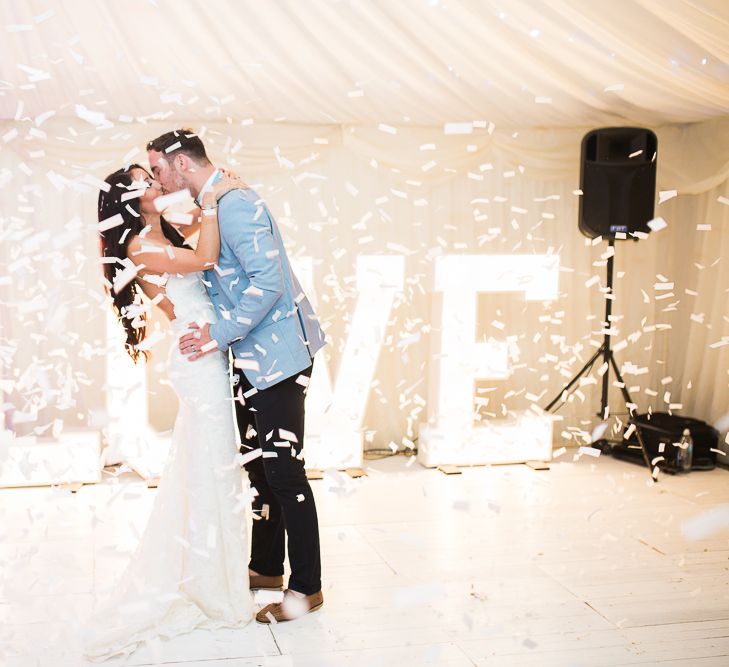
263,315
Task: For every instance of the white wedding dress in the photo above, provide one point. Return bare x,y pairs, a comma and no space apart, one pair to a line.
190,569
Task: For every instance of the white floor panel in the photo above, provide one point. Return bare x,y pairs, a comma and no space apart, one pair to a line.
585,564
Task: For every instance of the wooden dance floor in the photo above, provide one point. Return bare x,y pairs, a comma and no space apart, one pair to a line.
585,564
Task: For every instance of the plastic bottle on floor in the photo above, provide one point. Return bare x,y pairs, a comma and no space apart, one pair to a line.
685,451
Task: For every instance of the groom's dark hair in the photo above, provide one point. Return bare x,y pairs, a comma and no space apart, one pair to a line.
180,141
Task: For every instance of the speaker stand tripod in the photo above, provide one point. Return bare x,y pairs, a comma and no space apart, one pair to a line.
606,352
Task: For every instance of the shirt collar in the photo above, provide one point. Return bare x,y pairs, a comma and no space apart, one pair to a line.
208,186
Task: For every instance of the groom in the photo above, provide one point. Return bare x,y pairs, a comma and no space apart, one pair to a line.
267,322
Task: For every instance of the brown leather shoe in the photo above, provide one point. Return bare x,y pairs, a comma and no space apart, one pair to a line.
291,608
260,582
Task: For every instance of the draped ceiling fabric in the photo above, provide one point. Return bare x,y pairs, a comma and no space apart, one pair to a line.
415,127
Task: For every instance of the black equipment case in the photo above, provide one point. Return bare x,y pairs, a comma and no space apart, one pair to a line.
660,428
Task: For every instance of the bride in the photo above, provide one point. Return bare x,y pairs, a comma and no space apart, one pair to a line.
190,568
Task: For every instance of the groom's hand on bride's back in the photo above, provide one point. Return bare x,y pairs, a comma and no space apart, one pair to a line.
197,343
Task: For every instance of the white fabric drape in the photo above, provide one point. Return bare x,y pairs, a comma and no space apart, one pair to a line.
524,63
365,191
336,112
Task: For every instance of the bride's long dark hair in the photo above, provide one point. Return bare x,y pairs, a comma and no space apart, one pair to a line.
114,245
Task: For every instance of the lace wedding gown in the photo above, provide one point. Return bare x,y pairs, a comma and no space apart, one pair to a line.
190,569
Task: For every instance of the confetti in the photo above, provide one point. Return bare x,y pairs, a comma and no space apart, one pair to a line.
109,223
247,364
657,224
590,451
165,201
179,217
706,524
287,435
250,456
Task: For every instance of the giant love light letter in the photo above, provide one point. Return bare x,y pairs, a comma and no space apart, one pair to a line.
450,437
336,409
334,416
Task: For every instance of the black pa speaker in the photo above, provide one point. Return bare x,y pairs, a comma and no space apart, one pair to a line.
618,181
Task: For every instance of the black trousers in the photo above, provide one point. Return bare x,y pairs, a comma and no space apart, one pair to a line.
285,503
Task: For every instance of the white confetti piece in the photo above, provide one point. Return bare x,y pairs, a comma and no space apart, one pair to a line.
706,523
665,195
151,340
179,218
287,435
209,346
614,87
165,201
133,194
657,224
95,118
44,16
109,223
590,451
252,290
250,456
98,183
247,364
598,431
